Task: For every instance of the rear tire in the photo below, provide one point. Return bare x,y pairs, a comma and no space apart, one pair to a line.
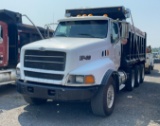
130,84
142,72
137,76
103,103
36,101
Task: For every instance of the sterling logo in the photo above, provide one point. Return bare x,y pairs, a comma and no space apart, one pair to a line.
88,57
42,49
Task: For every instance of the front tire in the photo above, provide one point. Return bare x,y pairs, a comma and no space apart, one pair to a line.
103,103
35,101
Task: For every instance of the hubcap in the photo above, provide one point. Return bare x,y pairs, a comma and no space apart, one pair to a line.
110,96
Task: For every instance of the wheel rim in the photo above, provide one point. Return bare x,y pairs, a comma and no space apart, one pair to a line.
133,81
110,96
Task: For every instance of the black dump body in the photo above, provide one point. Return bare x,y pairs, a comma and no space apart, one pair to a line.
134,52
112,12
10,16
19,34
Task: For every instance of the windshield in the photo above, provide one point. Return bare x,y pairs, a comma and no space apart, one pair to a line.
82,29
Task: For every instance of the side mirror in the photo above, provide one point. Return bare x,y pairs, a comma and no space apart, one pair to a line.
124,30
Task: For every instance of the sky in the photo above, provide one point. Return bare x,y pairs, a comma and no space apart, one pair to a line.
146,13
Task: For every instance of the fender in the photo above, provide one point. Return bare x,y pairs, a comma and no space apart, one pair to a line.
106,77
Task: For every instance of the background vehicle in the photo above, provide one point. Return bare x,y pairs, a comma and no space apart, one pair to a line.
149,65
155,55
93,55
13,35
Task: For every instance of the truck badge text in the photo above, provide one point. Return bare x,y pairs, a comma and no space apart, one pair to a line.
81,58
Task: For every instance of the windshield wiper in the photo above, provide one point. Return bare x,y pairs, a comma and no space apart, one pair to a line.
85,34
61,35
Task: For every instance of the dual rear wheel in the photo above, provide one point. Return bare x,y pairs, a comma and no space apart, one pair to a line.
136,76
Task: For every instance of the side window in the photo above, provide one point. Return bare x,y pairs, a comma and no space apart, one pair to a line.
115,33
62,30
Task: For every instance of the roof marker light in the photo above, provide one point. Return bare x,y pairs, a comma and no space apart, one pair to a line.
84,15
78,15
105,15
90,14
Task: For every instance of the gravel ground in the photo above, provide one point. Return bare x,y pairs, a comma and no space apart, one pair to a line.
140,107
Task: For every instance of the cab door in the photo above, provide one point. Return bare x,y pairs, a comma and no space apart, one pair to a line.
3,44
116,43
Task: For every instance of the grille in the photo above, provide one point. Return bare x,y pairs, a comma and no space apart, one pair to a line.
43,76
46,60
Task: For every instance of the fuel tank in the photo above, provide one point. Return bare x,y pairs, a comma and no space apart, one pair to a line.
7,76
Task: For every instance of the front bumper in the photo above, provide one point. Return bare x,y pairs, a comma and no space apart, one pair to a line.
58,93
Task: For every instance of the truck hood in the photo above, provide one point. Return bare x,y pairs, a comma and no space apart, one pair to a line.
63,43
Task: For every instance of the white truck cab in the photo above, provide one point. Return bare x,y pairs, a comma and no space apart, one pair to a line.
86,60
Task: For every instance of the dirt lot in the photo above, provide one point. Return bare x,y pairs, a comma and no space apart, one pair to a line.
140,107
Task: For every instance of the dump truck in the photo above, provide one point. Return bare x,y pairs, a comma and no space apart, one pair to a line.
13,35
94,54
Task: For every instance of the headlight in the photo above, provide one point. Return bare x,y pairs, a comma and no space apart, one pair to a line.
18,73
76,79
81,79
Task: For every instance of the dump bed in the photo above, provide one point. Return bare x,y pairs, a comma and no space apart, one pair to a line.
134,51
10,16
